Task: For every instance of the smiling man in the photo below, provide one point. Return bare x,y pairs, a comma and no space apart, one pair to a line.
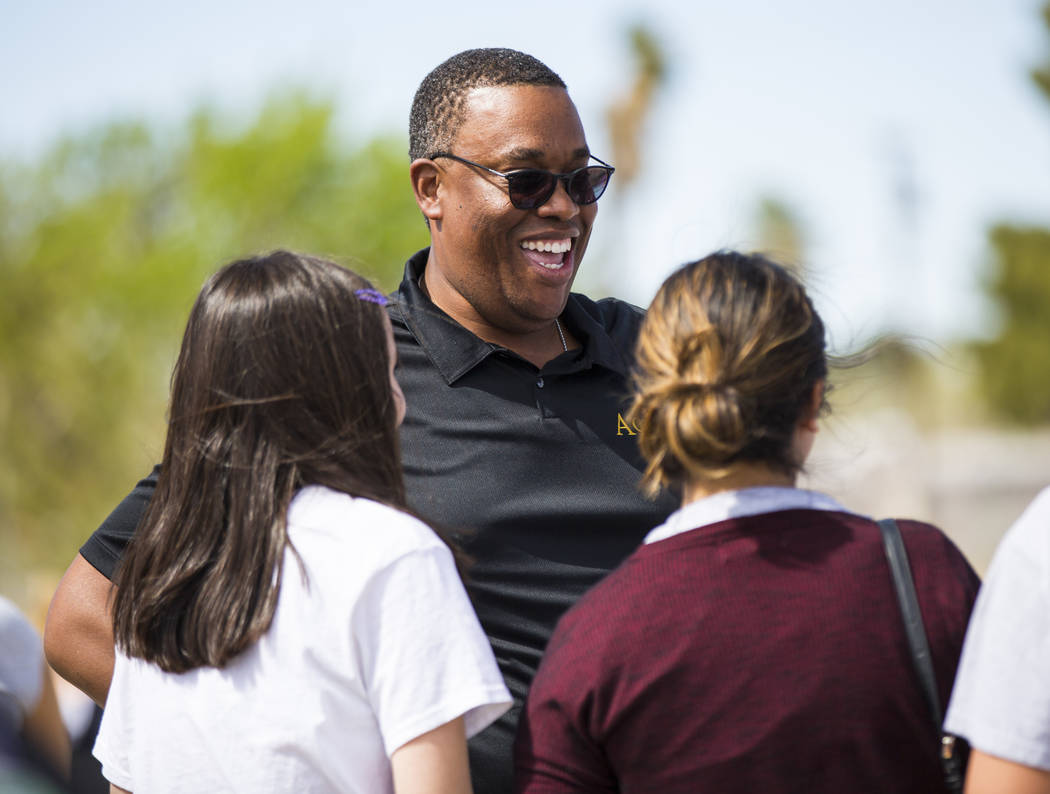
514,385
502,271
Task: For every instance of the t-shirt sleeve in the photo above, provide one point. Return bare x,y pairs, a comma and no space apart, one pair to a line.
424,657
115,732
1001,700
106,545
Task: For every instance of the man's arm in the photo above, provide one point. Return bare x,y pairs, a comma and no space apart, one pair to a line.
986,773
78,635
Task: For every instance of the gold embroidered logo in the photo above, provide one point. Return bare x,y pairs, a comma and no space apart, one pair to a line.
622,426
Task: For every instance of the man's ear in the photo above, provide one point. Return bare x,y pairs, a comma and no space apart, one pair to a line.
812,410
426,179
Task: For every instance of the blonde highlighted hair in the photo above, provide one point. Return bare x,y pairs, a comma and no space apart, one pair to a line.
727,360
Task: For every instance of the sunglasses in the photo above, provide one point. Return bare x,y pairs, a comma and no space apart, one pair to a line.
530,188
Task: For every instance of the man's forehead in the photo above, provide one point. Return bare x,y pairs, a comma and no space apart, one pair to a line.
522,121
529,153
517,103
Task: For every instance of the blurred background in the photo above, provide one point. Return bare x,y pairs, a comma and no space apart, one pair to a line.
897,154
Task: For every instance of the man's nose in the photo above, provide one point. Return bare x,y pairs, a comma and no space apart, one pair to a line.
560,205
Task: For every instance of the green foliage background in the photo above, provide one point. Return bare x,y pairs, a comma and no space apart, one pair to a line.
104,243
1015,366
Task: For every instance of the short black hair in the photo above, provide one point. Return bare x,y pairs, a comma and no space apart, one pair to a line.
435,115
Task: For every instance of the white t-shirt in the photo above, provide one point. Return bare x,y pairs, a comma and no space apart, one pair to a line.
1001,699
379,647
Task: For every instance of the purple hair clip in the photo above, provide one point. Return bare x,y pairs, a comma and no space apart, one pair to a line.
371,295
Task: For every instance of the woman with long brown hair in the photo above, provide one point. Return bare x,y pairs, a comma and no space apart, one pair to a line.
281,623
754,642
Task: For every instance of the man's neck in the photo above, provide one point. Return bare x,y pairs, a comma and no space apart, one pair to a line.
538,346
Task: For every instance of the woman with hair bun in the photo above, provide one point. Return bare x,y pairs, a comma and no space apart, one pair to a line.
753,643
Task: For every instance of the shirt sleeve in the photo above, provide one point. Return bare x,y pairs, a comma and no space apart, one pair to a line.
554,752
1001,699
552,757
115,732
107,544
424,657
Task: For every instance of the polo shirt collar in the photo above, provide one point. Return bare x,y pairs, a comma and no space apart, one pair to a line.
455,351
598,346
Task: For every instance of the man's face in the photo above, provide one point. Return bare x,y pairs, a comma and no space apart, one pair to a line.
488,265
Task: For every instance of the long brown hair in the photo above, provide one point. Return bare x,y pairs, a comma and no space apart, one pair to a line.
282,381
727,359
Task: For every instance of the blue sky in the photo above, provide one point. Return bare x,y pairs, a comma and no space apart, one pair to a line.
829,106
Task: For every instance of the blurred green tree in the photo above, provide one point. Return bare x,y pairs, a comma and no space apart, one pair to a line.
1015,366
104,243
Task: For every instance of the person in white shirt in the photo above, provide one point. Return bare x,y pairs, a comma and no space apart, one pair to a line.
281,623
1001,699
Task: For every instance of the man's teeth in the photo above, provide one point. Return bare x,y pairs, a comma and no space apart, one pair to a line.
550,246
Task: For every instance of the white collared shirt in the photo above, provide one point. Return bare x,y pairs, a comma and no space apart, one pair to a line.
740,504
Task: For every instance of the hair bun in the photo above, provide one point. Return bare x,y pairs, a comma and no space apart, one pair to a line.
709,418
691,420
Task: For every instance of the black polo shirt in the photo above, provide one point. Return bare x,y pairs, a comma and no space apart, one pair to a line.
536,467
537,463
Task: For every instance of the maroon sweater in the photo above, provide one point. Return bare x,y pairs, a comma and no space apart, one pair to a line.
760,654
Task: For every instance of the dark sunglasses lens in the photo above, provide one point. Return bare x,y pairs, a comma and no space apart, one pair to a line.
530,188
588,184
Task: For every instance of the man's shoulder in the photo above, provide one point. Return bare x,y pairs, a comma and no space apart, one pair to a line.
620,320
609,311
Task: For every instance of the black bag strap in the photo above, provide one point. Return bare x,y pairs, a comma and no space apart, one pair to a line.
909,606
953,759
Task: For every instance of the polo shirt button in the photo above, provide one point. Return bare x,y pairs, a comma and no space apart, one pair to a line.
539,383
